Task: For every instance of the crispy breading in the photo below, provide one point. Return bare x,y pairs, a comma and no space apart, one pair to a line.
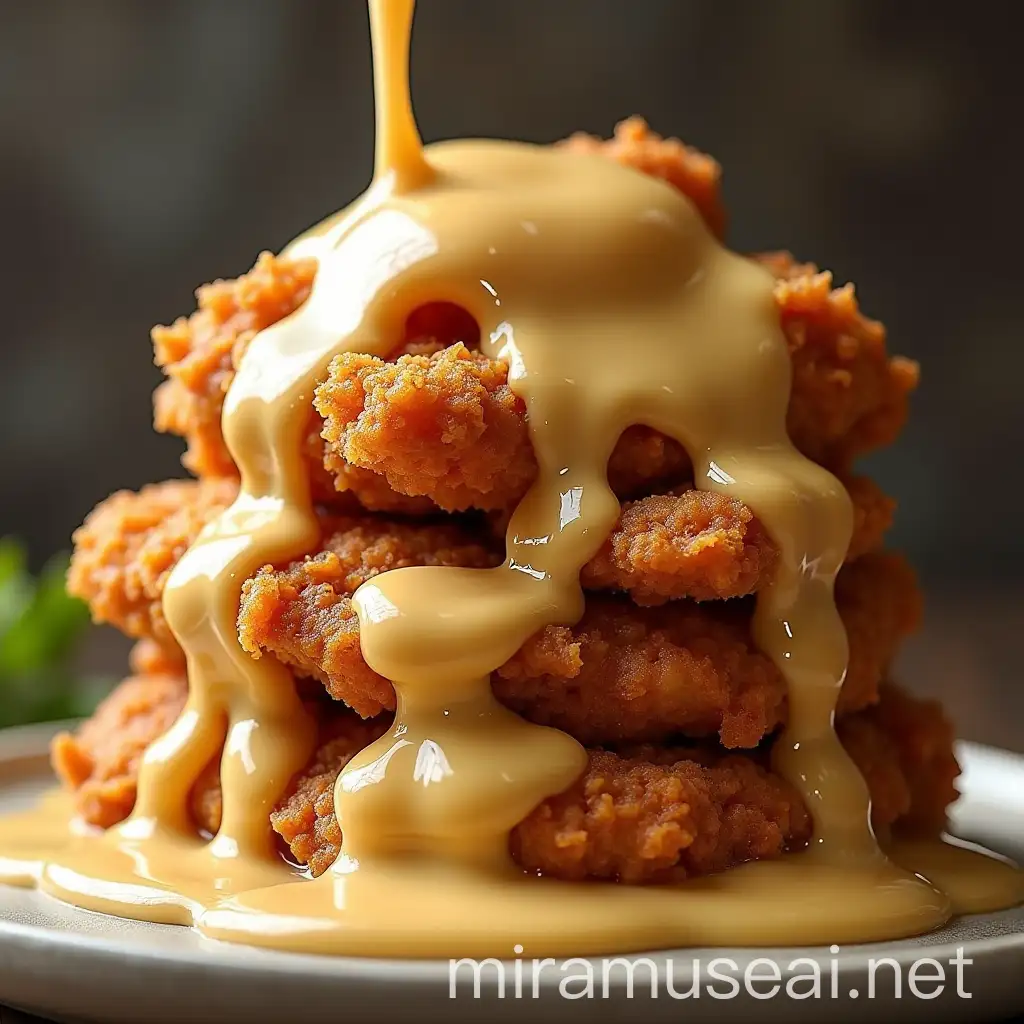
641,815
128,546
926,738
100,761
448,427
848,395
695,174
304,615
621,673
200,354
690,544
707,546
627,674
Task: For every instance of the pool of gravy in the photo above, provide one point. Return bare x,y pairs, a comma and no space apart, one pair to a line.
565,260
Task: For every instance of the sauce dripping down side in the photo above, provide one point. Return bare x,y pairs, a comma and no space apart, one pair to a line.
567,262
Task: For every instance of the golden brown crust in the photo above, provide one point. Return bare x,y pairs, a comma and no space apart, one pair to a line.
304,615
305,819
689,544
100,762
925,754
707,546
848,395
695,174
622,673
643,814
149,658
200,354
685,667
661,816
128,546
628,674
448,427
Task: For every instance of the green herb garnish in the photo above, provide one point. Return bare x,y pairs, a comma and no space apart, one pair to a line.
40,625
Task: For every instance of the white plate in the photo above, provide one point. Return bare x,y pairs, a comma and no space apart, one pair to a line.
77,966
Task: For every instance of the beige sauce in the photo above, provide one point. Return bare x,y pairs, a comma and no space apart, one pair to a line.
563,259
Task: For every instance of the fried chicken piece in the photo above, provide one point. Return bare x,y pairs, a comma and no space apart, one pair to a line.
691,544
100,762
659,816
706,546
654,815
128,546
448,427
903,746
304,615
149,658
626,674
199,354
640,815
695,174
620,674
305,818
924,752
848,395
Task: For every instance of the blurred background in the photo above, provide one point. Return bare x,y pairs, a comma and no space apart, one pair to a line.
149,147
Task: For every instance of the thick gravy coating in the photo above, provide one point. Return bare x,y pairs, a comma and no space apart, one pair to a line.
562,258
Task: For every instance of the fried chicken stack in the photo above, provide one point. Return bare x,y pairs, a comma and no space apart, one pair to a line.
419,459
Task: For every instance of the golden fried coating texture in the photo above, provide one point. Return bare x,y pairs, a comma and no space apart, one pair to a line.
849,396
925,754
707,546
688,544
304,615
661,815
305,819
621,674
641,815
201,353
695,174
149,658
128,546
100,762
644,818
627,674
467,443
448,427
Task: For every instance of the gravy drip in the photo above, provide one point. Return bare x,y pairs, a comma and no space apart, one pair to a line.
613,305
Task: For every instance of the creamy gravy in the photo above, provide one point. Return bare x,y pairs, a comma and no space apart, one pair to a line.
563,258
